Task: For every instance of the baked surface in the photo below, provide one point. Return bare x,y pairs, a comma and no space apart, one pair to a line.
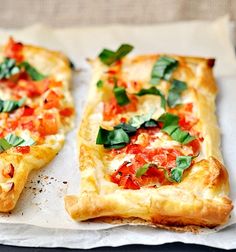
200,199
49,141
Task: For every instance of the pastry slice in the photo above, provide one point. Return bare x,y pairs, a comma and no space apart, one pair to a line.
149,144
36,110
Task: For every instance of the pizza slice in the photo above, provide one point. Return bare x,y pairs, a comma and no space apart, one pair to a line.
149,145
36,111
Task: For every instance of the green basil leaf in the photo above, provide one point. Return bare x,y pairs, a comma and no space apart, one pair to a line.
171,127
33,72
121,96
130,130
138,120
99,84
12,140
168,119
10,105
150,124
112,138
108,57
182,163
8,68
163,69
143,169
177,87
4,145
153,91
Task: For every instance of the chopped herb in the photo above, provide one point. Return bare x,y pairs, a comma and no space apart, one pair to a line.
163,69
138,120
121,96
150,124
177,87
33,72
8,68
153,91
10,105
130,130
108,57
12,140
99,84
182,163
112,139
143,169
176,174
171,127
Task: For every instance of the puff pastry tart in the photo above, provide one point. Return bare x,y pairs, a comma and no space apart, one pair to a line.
149,145
35,112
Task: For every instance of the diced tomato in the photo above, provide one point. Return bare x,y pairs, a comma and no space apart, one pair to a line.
111,108
27,111
14,50
8,171
23,149
48,125
128,183
67,111
32,88
53,83
52,100
195,144
123,120
11,125
28,125
133,148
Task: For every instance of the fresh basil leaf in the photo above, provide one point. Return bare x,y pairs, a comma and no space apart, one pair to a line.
33,72
150,124
130,130
182,163
116,138
163,69
143,169
168,119
138,120
121,96
99,84
171,127
177,87
10,105
12,140
153,91
4,145
108,56
8,68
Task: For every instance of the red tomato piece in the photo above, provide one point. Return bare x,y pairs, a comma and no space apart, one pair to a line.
48,125
23,149
14,50
52,100
67,111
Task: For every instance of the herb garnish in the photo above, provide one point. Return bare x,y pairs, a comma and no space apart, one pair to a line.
171,127
33,72
112,139
153,91
177,87
176,173
163,69
10,105
108,56
99,84
121,95
12,140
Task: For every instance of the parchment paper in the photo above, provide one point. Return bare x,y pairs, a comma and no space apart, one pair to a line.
39,218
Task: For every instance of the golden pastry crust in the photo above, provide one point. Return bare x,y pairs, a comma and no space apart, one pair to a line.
55,65
200,199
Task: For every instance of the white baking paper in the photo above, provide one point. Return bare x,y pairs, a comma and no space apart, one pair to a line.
39,218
